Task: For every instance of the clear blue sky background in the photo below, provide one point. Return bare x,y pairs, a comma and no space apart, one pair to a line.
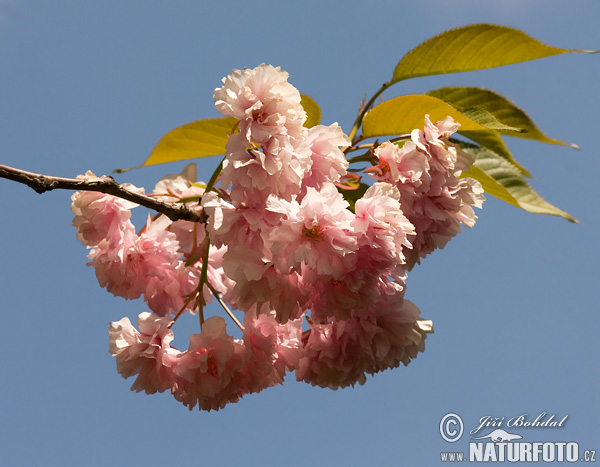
94,85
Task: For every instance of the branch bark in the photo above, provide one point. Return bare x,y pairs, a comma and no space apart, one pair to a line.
105,184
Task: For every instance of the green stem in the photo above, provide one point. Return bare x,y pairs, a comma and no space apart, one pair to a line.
201,316
360,146
200,303
190,199
186,303
400,138
215,175
204,270
365,109
362,158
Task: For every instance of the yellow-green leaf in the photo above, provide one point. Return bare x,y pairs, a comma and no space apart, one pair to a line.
486,118
499,106
202,138
494,142
313,111
490,185
508,176
405,113
474,47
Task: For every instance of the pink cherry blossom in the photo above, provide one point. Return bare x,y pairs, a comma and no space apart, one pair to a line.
125,269
425,170
205,371
100,217
285,248
191,237
278,168
380,222
263,101
286,294
147,353
317,232
242,226
328,163
406,166
433,140
175,187
118,269
274,349
166,293
149,264
341,352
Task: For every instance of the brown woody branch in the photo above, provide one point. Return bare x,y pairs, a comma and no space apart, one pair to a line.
105,184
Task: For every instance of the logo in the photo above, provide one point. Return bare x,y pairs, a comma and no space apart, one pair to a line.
500,436
520,421
509,445
447,427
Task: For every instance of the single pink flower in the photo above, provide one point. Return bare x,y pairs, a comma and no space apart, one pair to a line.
274,349
167,294
404,166
263,101
146,353
206,369
126,269
316,232
244,225
100,217
433,140
328,162
278,168
380,222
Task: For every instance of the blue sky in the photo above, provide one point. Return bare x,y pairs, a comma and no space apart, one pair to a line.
93,85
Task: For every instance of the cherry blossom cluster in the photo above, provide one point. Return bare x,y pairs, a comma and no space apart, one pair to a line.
426,171
320,282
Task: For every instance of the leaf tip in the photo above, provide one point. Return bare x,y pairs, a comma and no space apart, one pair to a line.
569,217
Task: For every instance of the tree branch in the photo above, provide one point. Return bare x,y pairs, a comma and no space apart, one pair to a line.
105,184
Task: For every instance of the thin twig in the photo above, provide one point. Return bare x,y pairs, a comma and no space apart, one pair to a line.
215,293
185,305
105,184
